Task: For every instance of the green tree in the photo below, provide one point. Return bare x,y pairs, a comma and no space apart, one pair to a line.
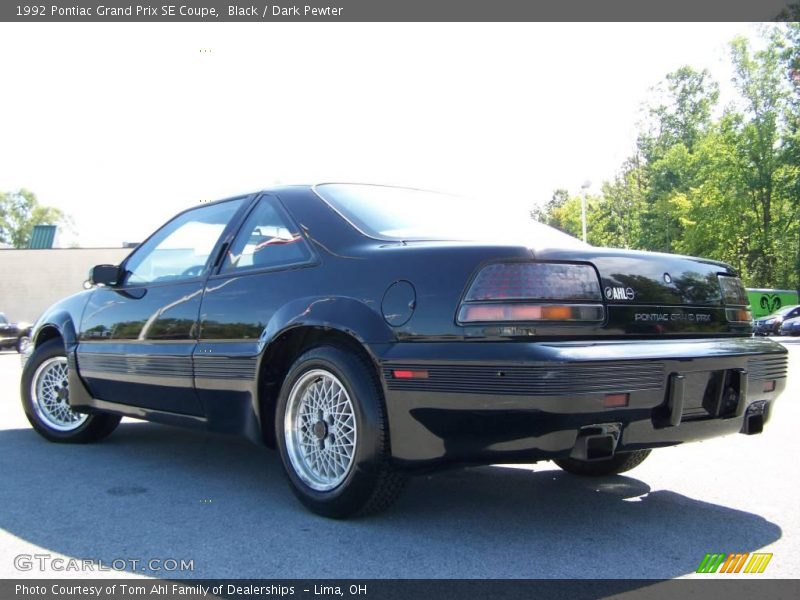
763,173
680,119
620,207
725,187
791,154
19,212
683,115
563,212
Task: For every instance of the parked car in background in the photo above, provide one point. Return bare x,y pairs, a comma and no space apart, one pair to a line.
14,335
369,332
790,326
771,324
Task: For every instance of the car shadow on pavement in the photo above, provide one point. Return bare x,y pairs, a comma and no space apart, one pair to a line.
154,492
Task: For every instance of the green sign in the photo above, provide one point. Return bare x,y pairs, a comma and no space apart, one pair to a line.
764,302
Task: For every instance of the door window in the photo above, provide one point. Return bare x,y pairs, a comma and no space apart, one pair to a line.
181,249
267,239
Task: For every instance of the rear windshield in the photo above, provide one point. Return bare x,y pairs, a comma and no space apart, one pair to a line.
408,214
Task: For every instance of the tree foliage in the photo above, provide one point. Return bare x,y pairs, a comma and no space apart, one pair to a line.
704,180
19,212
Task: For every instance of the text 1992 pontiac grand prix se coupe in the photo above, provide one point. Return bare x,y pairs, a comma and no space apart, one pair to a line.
369,331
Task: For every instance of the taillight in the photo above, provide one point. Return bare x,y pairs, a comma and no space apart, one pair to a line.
733,291
738,315
735,297
529,291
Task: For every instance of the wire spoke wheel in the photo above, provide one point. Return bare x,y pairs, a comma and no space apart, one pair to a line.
320,430
50,393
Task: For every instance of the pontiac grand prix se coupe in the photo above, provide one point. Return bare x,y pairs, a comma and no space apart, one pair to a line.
369,331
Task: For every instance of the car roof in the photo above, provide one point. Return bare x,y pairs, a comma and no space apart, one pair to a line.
785,309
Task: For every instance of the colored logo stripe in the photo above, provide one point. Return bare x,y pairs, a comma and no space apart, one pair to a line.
711,563
734,562
758,563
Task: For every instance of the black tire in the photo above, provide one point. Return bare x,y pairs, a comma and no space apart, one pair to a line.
624,461
370,483
94,428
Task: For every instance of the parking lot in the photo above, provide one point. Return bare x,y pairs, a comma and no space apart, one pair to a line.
154,492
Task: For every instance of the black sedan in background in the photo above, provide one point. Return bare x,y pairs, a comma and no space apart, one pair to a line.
771,324
14,335
368,332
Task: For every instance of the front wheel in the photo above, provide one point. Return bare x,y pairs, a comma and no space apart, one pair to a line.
619,463
45,399
333,437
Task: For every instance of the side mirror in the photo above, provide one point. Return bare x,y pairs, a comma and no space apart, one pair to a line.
104,275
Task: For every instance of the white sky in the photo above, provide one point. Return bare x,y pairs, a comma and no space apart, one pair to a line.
122,125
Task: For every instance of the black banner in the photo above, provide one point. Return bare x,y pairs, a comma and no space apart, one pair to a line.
399,10
403,589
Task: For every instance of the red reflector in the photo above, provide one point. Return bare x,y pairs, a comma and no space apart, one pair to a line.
769,386
406,374
615,400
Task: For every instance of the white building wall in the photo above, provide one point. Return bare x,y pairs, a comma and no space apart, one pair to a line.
32,280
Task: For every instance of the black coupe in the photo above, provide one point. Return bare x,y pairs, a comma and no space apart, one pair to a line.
368,332
14,335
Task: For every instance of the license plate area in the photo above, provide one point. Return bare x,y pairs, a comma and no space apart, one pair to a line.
704,391
703,395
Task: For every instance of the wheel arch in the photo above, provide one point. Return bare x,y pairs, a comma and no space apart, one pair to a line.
56,325
344,322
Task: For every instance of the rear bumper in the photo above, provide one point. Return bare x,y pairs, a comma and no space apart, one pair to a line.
762,329
485,402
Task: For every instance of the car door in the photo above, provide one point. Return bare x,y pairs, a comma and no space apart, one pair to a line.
258,273
136,337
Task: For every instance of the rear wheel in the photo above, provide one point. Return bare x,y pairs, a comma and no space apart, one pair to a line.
333,437
45,399
619,463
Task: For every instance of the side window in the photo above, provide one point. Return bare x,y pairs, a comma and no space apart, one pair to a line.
3,320
267,239
181,249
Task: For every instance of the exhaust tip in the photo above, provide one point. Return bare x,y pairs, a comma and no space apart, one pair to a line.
600,447
754,424
754,418
596,442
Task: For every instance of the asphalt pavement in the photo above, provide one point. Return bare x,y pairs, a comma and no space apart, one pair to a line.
151,492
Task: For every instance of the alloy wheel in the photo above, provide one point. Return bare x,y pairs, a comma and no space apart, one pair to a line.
50,393
320,430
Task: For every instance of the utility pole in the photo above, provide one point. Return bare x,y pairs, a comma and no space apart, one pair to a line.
584,190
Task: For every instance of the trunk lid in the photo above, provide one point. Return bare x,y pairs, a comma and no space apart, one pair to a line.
648,278
655,294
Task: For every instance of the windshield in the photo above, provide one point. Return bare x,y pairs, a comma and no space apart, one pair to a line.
408,214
